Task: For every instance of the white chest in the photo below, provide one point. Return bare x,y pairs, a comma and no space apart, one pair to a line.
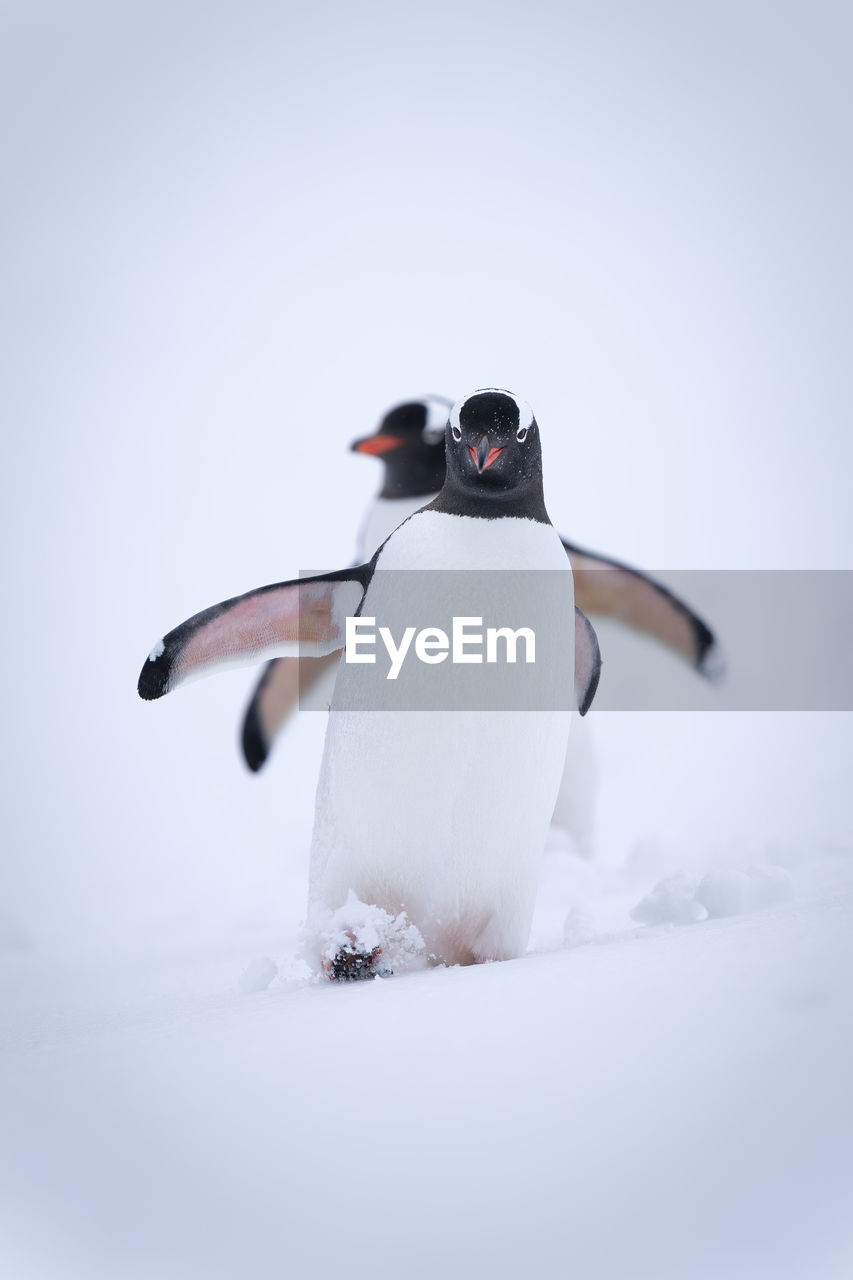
443,813
437,541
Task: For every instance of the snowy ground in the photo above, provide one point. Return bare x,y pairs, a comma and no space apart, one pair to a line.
628,1100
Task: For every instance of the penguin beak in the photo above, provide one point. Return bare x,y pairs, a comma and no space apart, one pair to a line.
484,455
376,444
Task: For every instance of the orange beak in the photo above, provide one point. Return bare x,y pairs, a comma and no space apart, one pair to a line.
484,455
376,444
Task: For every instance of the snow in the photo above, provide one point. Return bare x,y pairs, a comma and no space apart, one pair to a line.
671,900
655,1103
734,892
686,1085
727,891
258,975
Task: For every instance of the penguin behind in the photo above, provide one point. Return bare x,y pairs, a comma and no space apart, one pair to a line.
410,443
453,867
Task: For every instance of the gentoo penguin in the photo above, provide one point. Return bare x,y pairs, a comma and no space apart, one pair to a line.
409,441
457,861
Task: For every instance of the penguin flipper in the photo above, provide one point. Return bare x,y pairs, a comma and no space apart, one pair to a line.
304,617
275,698
587,662
612,589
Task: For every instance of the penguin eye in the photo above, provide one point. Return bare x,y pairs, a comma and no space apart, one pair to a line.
521,434
455,431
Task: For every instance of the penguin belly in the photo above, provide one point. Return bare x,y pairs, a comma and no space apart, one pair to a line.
442,814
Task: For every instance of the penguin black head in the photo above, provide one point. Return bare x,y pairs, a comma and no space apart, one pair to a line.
410,442
494,458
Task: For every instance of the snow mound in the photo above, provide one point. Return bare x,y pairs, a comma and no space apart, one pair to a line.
357,928
733,893
258,975
677,899
671,901
578,928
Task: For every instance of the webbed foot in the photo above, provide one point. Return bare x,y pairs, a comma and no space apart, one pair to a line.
350,964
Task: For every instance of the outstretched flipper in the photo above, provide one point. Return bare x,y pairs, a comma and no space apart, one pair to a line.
587,662
305,617
613,589
276,696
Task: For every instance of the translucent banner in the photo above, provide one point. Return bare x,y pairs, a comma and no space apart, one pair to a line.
715,640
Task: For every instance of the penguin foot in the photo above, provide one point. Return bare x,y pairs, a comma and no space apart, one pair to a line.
350,964
360,941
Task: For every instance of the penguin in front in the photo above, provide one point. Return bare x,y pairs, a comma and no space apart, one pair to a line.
409,441
456,862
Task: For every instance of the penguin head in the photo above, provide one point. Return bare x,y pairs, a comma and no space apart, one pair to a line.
410,442
493,444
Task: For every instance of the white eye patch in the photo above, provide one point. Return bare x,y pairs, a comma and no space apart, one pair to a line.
525,413
525,420
437,409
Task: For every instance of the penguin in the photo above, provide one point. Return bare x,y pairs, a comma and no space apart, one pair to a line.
409,441
453,868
